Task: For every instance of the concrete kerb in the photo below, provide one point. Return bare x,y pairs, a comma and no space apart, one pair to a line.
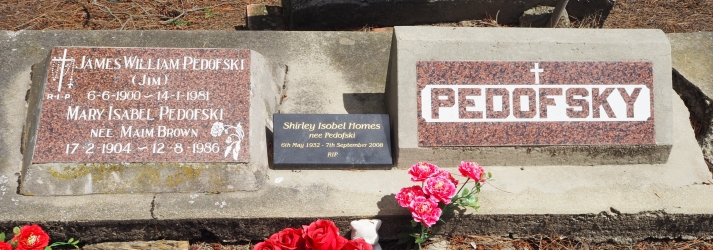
622,203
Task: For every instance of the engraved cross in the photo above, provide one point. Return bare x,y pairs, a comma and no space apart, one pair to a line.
537,70
61,72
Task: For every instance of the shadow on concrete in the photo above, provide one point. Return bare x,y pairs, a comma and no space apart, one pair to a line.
364,103
270,147
393,217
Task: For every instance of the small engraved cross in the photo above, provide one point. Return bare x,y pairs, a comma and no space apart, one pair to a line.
537,70
61,72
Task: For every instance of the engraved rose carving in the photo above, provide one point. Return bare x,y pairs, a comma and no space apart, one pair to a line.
233,140
217,129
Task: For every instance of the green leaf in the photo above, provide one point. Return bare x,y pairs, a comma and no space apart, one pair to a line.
490,175
2,237
48,248
414,223
420,240
465,192
404,237
16,230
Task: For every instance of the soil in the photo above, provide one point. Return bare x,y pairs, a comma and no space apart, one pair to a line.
671,16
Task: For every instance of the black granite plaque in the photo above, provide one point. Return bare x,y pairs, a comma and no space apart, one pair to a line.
321,141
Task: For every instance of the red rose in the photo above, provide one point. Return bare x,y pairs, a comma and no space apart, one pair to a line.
472,170
357,244
289,238
323,235
422,170
425,211
267,245
405,197
31,238
440,188
448,175
5,246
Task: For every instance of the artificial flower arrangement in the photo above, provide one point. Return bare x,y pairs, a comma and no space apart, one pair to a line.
437,195
31,237
320,235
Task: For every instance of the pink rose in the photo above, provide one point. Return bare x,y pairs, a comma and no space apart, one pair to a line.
440,188
405,197
357,244
425,211
267,245
472,170
422,170
448,175
323,235
289,238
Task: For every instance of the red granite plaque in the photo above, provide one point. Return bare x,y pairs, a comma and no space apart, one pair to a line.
485,103
145,105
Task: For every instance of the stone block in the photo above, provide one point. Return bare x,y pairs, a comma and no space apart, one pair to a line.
529,96
539,16
264,17
125,120
692,60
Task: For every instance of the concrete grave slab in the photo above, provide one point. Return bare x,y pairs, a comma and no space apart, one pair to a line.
457,94
121,120
345,72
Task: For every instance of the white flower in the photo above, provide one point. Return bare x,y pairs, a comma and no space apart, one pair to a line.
217,129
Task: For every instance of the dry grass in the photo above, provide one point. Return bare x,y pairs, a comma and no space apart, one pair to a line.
667,15
123,14
671,16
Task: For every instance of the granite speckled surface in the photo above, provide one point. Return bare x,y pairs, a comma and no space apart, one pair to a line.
541,132
189,112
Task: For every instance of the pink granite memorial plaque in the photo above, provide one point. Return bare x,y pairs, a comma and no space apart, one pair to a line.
145,105
484,103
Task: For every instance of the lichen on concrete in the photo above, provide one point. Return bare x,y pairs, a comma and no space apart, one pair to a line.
113,178
183,175
99,171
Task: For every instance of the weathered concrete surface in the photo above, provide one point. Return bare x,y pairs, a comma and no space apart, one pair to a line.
413,44
351,14
161,244
599,203
692,59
